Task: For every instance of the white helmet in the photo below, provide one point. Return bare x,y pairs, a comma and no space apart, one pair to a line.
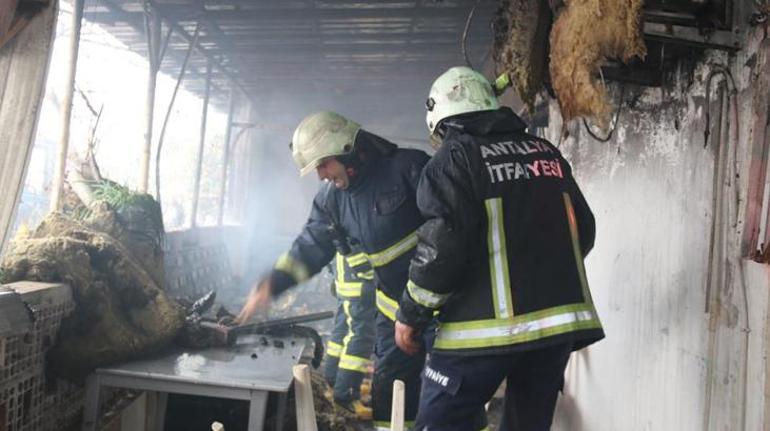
457,91
321,135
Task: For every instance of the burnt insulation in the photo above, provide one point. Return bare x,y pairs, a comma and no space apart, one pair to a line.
585,35
520,46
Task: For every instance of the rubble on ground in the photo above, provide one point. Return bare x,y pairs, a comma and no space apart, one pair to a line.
328,417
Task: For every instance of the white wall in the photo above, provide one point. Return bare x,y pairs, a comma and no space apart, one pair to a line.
666,363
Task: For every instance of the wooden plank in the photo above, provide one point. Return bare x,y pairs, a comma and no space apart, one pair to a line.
134,416
397,406
24,62
303,393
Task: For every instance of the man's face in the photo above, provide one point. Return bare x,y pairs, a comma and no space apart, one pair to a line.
330,169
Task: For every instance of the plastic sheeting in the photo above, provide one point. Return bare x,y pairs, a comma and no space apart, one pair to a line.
23,69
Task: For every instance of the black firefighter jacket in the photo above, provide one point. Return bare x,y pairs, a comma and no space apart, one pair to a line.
501,252
378,217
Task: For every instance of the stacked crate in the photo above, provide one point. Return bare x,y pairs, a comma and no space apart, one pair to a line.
195,264
28,401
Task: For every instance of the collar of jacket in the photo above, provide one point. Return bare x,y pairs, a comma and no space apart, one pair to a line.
500,121
377,148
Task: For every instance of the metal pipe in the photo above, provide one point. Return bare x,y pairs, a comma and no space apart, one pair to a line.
66,115
225,160
201,146
234,144
152,29
217,62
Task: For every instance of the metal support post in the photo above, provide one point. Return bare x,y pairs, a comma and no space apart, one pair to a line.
152,26
66,114
226,159
201,146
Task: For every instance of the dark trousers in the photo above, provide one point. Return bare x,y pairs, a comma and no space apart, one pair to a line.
456,387
393,364
350,346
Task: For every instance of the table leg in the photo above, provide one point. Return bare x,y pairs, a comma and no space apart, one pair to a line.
282,396
91,407
257,408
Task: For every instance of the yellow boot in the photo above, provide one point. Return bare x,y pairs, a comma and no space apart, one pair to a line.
329,394
357,408
362,412
366,387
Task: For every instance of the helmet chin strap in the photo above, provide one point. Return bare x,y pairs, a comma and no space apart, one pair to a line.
437,137
435,140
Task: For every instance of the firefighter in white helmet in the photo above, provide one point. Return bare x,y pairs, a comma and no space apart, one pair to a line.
500,256
367,213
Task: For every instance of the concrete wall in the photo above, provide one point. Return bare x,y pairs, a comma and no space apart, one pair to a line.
684,307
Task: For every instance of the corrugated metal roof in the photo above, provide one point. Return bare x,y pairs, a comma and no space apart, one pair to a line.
304,45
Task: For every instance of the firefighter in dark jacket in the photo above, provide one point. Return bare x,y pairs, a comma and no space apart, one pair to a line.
501,256
367,212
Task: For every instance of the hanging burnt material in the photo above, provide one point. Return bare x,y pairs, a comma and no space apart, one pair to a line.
586,34
521,44
7,12
15,15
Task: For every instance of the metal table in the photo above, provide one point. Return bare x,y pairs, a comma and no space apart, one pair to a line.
251,369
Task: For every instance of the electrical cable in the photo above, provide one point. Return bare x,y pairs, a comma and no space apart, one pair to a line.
463,42
615,121
718,70
193,42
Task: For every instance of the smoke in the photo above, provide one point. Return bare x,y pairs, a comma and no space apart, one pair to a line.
275,201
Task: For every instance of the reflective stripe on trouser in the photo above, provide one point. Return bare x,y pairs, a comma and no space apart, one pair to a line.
354,327
334,345
333,349
393,364
359,342
456,387
346,284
